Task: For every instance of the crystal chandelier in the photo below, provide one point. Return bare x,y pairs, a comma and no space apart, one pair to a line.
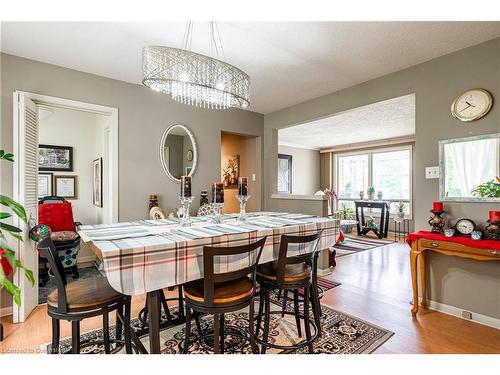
195,79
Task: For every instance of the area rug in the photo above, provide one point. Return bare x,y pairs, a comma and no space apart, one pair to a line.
355,244
342,334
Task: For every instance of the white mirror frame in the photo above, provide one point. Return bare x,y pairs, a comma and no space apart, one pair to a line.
162,149
442,171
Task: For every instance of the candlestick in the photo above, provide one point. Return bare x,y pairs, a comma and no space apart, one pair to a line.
437,206
242,186
185,186
218,192
437,222
494,216
243,199
186,204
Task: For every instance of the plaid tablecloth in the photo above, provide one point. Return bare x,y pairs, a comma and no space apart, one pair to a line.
144,256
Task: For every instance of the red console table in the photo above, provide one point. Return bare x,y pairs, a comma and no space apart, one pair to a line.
463,247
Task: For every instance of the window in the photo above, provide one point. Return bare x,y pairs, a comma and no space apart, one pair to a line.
387,170
284,173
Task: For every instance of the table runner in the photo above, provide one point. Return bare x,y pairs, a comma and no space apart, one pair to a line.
144,256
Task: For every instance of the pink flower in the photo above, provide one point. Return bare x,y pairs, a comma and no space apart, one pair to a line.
330,193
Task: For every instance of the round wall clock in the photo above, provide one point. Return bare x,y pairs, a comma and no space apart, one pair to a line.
472,105
189,155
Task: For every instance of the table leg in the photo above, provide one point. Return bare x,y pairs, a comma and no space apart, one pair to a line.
154,322
423,278
414,280
1,332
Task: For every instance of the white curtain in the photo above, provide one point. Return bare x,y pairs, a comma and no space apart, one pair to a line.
472,163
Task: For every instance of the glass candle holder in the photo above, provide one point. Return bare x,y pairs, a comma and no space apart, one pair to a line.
186,204
243,199
217,207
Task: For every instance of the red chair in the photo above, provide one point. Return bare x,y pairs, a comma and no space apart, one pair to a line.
57,213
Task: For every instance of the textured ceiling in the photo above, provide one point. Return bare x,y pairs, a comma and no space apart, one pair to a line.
387,119
288,62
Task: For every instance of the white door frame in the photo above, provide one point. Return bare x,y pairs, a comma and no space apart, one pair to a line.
19,314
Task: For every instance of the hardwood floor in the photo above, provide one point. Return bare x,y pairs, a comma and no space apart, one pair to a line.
375,287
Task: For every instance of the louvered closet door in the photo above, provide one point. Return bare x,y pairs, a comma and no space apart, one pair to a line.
26,193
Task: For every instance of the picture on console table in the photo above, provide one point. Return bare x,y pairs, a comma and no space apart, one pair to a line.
55,158
231,172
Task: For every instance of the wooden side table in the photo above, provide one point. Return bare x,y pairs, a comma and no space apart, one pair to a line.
419,249
381,231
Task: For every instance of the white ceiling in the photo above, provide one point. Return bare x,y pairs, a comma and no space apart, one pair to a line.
391,118
288,62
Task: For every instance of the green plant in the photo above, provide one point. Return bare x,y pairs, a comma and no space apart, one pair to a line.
371,189
400,206
490,189
8,262
346,213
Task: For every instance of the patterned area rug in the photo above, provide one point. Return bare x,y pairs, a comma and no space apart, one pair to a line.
342,334
355,244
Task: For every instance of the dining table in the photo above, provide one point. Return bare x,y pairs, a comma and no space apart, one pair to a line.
146,256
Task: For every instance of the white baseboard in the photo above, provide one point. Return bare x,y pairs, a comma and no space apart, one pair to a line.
5,311
456,311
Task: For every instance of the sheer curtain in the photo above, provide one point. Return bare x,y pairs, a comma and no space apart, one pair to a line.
472,163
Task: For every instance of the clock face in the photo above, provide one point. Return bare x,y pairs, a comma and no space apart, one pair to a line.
472,105
465,226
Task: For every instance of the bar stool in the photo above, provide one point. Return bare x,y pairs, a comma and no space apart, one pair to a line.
293,270
223,292
81,299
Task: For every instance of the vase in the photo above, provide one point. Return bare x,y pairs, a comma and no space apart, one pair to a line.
361,195
401,214
380,195
371,195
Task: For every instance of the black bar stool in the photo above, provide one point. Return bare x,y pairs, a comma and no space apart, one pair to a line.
293,270
223,292
81,299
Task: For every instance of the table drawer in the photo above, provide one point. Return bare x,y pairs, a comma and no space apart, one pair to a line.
453,246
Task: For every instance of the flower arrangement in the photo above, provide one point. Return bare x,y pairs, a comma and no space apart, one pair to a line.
8,262
346,213
400,206
332,195
371,190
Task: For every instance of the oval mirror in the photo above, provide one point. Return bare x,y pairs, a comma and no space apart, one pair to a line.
178,152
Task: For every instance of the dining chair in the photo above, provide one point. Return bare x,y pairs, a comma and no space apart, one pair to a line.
293,271
228,286
84,298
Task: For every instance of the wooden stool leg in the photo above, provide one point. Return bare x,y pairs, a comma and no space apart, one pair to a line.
221,333
188,330
105,332
127,328
297,311
306,318
267,317
181,302
198,325
119,323
165,305
75,337
216,334
316,307
251,328
56,332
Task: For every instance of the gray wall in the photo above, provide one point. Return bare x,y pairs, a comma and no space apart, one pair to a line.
457,282
143,116
305,169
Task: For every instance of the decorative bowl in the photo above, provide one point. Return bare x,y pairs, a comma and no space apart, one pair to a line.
449,232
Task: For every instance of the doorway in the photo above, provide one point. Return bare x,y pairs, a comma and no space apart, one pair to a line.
34,114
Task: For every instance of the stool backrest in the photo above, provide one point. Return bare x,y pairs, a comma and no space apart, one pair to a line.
52,199
296,249
47,250
223,264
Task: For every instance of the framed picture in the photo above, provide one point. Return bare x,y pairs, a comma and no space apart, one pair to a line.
55,158
97,182
44,184
231,172
65,186
188,170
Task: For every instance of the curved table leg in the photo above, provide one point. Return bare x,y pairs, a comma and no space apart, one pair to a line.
423,279
414,279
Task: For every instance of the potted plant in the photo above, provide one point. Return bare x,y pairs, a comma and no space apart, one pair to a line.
8,262
346,213
400,207
331,195
490,189
371,193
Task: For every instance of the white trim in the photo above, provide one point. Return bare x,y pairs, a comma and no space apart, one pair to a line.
370,144
5,311
457,312
296,145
